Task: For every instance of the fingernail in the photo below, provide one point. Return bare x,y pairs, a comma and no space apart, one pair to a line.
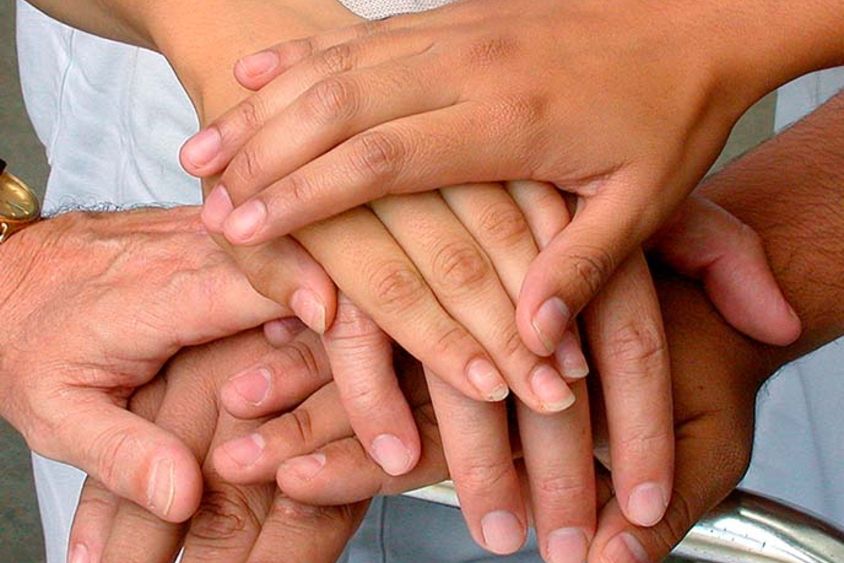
625,548
647,504
567,545
253,385
218,205
305,467
245,221
550,322
162,487
309,308
200,149
487,380
259,63
570,357
391,454
502,531
281,331
79,554
552,391
245,451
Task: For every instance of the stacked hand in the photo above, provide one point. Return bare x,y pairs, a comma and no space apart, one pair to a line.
438,274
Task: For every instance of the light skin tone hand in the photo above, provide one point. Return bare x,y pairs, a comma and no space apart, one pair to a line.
96,304
631,107
233,522
268,278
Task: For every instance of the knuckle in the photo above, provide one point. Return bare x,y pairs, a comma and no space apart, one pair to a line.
644,441
331,99
246,166
223,515
335,59
301,423
591,266
640,347
503,223
397,286
679,518
250,114
567,490
479,475
367,397
370,27
453,340
458,265
377,154
299,187
111,449
302,356
351,322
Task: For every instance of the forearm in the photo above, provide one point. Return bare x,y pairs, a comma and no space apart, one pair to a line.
200,38
791,192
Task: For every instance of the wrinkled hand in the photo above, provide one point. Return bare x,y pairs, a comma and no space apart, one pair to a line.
94,305
233,522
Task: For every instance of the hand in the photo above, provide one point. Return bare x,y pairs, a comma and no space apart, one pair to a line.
452,96
233,523
713,425
93,306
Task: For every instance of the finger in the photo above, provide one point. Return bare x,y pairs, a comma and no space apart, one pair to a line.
705,242
281,379
362,364
407,155
377,275
255,457
479,456
558,459
254,71
708,469
282,271
465,283
296,97
188,409
230,517
345,473
130,456
306,533
624,324
282,331
547,214
332,110
92,522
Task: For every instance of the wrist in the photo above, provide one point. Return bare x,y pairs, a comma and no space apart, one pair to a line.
202,39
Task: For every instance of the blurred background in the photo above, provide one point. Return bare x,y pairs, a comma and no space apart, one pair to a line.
20,531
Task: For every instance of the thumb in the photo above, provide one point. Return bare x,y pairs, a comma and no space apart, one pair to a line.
130,456
705,242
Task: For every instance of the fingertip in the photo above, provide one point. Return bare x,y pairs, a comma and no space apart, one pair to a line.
174,486
255,71
393,455
216,209
243,224
281,332
311,309
199,152
646,504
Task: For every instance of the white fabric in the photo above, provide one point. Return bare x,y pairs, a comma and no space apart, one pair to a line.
112,118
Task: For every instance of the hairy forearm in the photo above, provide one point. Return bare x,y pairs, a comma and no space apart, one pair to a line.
791,192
